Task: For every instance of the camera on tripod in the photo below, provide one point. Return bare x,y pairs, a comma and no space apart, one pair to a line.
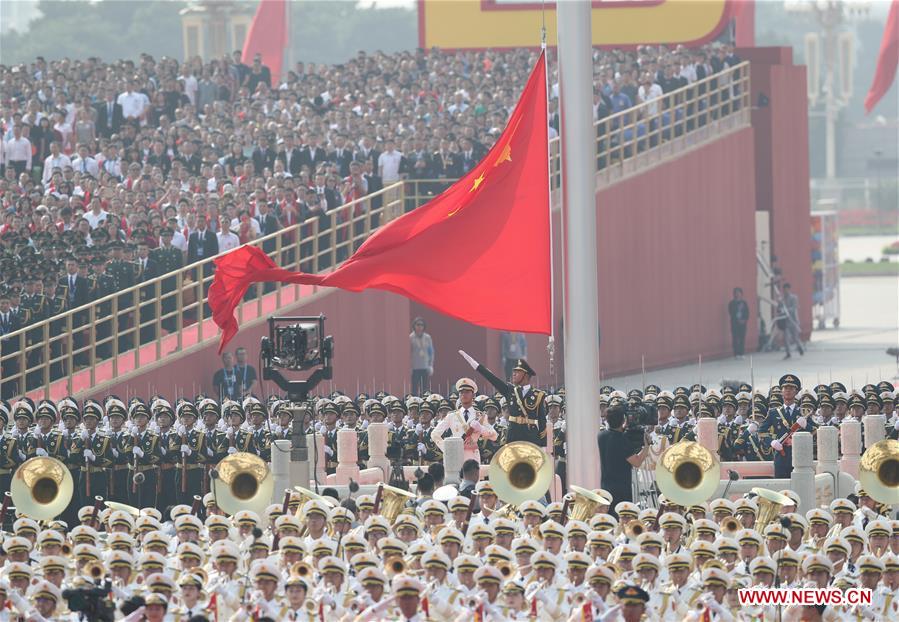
91,603
297,343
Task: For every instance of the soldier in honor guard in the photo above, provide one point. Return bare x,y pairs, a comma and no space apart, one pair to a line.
120,450
679,428
430,453
555,405
262,436
780,421
488,447
169,453
48,442
102,285
215,444
143,446
9,449
189,460
75,460
748,444
237,437
527,404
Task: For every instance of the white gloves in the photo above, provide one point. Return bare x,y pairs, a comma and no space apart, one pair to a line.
84,435
722,420
115,453
138,452
738,419
232,450
776,445
163,449
89,455
276,429
328,451
422,449
186,450
802,421
468,359
209,452
41,452
896,425
752,427
419,429
431,371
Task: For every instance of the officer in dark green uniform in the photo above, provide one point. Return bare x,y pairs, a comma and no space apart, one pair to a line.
191,452
169,453
236,437
261,435
488,448
102,285
145,456
122,273
215,443
780,421
679,427
146,269
168,259
527,404
9,458
56,304
432,453
554,405
329,413
48,441
97,454
120,449
71,418
36,306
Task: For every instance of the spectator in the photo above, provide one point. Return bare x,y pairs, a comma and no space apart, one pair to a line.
225,379
422,357
389,163
791,321
226,237
246,373
738,311
17,151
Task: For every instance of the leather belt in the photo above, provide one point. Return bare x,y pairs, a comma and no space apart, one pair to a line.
191,466
5,471
146,467
93,470
523,421
121,467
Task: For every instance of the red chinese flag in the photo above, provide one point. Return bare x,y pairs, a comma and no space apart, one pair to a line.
267,36
887,59
479,252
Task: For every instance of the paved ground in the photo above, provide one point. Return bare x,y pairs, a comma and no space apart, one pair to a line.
854,354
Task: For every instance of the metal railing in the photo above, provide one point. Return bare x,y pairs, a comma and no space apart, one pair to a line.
66,354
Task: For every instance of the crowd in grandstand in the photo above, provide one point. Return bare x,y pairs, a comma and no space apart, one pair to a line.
173,554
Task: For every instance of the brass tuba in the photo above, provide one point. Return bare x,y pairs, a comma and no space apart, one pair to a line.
41,488
395,565
244,482
301,570
94,571
878,471
770,504
520,471
687,473
634,529
123,507
584,503
731,525
393,500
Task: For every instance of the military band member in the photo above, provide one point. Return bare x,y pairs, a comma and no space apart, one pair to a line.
527,404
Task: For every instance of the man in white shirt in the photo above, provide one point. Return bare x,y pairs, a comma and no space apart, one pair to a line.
649,91
85,164
55,160
97,214
134,103
227,238
18,151
389,163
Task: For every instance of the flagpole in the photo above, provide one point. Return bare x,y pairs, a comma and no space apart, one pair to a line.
551,346
578,155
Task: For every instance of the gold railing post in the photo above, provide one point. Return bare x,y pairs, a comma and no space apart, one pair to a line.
114,333
70,355
278,252
201,308
92,350
157,317
179,310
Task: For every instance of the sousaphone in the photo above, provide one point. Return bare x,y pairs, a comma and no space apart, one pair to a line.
520,471
41,488
687,473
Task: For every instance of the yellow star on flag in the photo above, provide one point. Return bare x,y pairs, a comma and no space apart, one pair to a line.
504,156
477,182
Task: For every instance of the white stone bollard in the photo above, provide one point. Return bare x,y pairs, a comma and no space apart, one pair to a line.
802,480
851,447
875,430
829,456
707,434
316,444
347,456
453,457
377,449
280,469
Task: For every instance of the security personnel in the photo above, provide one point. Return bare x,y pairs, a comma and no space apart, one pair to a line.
168,259
36,308
102,284
780,421
527,405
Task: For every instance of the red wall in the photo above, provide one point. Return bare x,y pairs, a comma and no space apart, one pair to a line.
782,170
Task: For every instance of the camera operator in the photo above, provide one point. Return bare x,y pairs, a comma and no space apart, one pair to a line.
617,456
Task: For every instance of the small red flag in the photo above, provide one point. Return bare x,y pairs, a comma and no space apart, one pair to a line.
267,36
479,252
887,59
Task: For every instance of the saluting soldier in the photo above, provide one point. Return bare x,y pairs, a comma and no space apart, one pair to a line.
120,449
527,405
144,446
780,420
